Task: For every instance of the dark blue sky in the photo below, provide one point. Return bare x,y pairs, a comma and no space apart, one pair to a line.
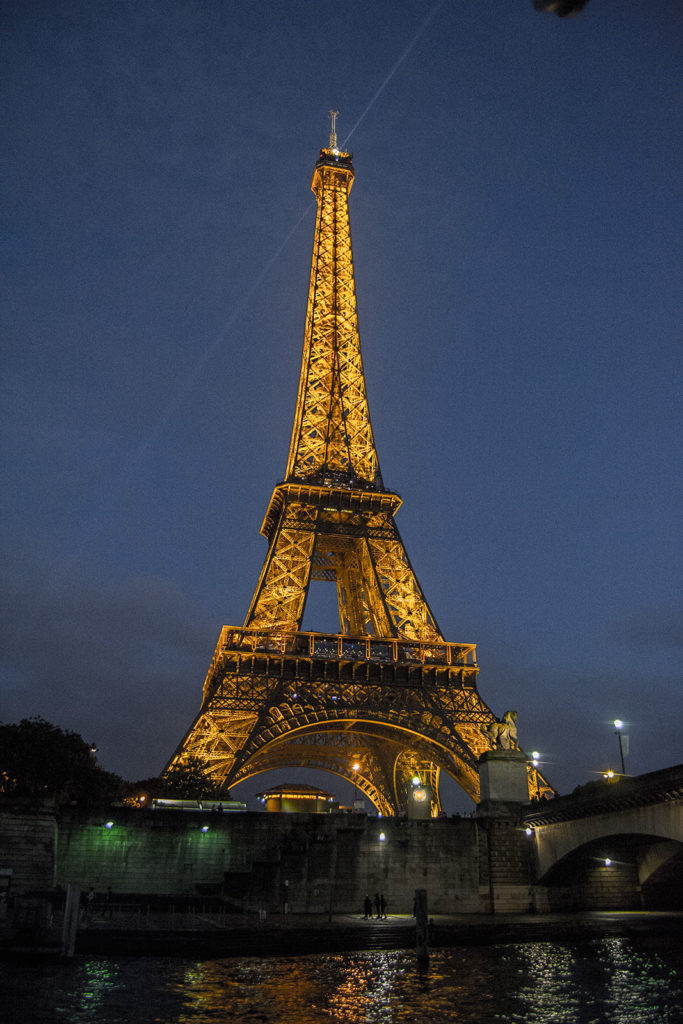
516,223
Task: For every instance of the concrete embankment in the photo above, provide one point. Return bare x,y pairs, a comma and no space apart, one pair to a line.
303,934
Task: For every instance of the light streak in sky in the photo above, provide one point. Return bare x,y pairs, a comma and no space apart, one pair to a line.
185,385
430,17
188,382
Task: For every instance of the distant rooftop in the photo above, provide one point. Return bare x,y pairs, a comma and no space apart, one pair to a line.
295,790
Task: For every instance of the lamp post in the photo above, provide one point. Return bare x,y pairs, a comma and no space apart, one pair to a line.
618,726
356,769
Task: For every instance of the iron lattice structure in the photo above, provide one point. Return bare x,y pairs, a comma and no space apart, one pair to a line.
386,694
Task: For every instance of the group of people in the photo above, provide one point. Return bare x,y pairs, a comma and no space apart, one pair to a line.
380,906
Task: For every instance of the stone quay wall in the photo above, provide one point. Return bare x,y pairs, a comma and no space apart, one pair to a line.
304,863
310,863
28,850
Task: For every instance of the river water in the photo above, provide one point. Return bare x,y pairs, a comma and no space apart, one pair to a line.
606,981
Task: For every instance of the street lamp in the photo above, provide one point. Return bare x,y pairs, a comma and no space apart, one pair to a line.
618,726
356,769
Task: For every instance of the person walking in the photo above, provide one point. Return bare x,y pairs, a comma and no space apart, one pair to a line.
89,905
367,907
377,906
382,906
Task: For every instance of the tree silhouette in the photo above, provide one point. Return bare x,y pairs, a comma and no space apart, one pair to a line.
40,761
189,781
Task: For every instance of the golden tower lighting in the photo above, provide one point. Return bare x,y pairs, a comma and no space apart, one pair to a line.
386,692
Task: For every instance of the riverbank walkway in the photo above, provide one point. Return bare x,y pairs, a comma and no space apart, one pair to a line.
218,935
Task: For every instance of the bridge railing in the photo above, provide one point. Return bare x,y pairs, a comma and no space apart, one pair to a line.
337,646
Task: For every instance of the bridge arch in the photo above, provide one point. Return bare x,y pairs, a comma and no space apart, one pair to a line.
611,846
617,871
557,839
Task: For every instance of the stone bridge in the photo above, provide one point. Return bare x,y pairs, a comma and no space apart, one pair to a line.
611,844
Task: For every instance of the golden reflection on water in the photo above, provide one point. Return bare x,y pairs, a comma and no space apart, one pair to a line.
542,983
348,988
345,988
251,990
609,981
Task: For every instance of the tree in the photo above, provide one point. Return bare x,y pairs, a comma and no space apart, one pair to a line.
188,780
40,761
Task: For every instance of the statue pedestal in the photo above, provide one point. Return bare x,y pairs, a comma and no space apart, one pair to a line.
503,777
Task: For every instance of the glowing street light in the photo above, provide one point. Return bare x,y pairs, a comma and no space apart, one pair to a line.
618,726
355,767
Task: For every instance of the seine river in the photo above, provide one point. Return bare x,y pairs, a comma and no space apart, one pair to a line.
611,980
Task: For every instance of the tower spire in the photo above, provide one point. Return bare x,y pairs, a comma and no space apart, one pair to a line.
334,114
332,439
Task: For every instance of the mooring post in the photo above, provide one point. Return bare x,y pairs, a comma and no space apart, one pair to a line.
72,907
422,926
333,872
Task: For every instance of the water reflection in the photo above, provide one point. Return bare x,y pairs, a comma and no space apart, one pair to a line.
611,981
549,993
635,988
348,988
366,988
543,983
99,981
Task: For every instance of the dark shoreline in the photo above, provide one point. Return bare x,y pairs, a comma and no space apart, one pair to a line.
301,935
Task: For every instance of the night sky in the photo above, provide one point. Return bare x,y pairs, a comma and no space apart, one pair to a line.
516,224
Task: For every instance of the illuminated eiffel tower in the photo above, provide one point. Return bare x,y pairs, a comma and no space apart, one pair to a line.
386,699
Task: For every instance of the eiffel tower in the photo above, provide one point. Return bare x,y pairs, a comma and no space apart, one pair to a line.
386,699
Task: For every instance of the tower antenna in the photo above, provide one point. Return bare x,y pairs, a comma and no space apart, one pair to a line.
334,114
